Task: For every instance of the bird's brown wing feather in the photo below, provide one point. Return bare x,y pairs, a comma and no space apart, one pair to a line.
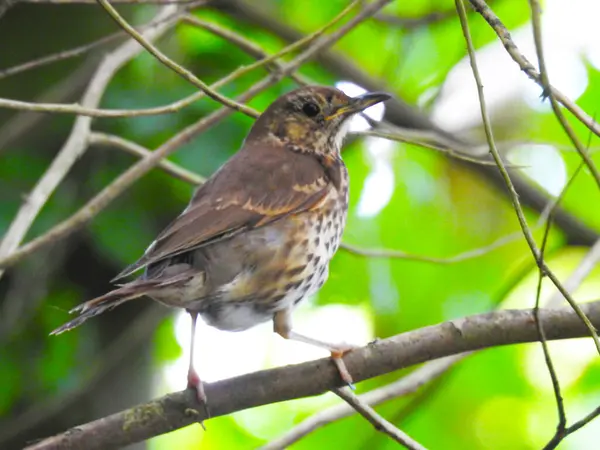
254,188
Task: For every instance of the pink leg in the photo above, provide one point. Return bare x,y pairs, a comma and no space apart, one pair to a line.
193,379
282,325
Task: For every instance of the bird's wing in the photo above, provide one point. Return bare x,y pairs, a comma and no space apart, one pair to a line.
248,192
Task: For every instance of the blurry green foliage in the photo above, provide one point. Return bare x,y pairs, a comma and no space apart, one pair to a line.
437,208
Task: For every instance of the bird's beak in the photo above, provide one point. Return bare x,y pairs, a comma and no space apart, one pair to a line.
358,104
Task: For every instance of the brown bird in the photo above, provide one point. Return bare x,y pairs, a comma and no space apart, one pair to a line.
257,237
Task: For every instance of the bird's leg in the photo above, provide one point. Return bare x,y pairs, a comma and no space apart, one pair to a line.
193,379
282,325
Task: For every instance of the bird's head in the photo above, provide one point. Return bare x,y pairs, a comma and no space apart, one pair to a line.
312,119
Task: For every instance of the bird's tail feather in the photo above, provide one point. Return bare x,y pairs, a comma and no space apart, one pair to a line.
103,303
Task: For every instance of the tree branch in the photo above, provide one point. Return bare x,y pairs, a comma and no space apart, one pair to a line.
404,386
77,141
180,409
504,35
376,420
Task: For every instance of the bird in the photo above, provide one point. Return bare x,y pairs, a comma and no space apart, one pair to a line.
257,237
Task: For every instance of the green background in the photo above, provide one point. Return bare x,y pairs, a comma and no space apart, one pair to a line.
495,399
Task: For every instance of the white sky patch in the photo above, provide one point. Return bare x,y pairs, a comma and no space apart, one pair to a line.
543,164
375,112
570,31
377,190
222,354
571,358
379,184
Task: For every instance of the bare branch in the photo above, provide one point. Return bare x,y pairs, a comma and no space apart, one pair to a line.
82,49
376,420
433,144
180,70
101,366
133,148
509,184
124,2
404,386
76,143
316,377
504,35
399,254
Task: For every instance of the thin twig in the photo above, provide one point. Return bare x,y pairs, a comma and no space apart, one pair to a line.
108,194
101,367
585,267
136,149
551,95
248,46
432,145
316,377
178,69
404,386
411,23
76,143
124,2
399,254
504,35
180,104
509,184
561,431
82,49
376,420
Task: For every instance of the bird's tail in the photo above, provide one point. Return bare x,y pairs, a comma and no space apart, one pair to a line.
105,302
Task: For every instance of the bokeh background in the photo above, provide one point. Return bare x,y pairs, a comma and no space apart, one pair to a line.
403,197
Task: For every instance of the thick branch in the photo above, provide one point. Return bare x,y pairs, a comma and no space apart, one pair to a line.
180,409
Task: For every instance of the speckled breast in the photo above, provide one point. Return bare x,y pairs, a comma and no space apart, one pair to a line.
324,234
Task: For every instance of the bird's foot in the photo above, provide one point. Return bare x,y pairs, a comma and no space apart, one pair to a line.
194,382
337,354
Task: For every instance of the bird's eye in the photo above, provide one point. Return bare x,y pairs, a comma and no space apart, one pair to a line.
311,109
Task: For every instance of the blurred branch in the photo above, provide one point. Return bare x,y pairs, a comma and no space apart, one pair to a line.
103,365
82,49
180,409
561,428
410,23
504,35
268,60
549,92
404,386
376,420
125,2
389,253
511,189
108,140
5,5
587,264
403,114
67,88
76,143
179,70
428,141
108,194
245,44
59,56
557,439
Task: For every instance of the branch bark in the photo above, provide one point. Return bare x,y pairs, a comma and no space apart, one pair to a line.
180,409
